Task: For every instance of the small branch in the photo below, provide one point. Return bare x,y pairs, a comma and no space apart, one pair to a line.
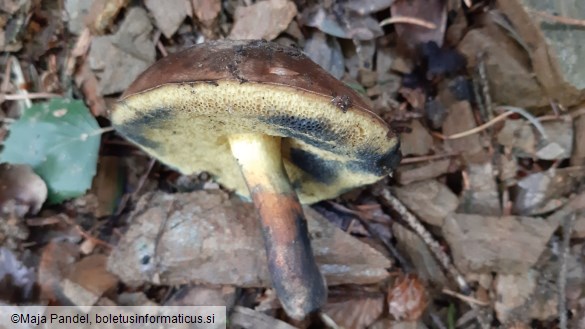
18,97
433,245
478,129
464,298
408,20
426,158
567,231
560,19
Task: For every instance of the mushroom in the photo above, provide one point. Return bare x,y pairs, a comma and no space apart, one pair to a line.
270,124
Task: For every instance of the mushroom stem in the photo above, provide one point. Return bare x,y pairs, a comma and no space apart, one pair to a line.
295,276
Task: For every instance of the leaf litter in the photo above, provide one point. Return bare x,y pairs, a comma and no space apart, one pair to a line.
485,193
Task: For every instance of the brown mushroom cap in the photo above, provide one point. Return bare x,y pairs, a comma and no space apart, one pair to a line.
183,107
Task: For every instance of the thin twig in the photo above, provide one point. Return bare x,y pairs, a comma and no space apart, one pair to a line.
433,245
408,20
476,129
560,19
567,231
528,117
18,97
464,298
425,158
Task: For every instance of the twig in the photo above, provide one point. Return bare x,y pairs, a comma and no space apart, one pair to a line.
433,245
408,20
464,298
141,182
18,97
476,129
568,222
528,117
485,87
328,321
560,19
426,158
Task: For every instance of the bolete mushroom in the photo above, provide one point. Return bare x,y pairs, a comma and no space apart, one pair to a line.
270,124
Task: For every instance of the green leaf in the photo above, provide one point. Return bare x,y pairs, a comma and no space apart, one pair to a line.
60,140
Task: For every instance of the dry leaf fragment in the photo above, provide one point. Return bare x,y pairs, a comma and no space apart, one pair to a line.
355,312
206,237
169,14
56,261
407,300
263,20
206,10
505,244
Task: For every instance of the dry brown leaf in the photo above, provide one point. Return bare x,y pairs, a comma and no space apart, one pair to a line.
263,20
355,313
208,238
206,10
57,260
505,244
169,14
91,274
407,300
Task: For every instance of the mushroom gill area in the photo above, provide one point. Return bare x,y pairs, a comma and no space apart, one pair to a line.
326,151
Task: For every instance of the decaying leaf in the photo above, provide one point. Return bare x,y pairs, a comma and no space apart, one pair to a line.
506,245
355,312
60,141
263,20
430,200
205,237
169,14
123,56
407,299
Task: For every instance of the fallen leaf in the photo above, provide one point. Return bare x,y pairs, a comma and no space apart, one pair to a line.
123,56
407,299
62,149
417,141
358,311
262,20
206,10
507,245
169,15
205,237
57,259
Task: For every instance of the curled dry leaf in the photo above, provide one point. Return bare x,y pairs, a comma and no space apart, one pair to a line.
21,190
407,300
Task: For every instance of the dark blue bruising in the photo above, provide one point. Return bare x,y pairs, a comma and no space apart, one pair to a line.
135,128
319,134
323,171
313,132
376,163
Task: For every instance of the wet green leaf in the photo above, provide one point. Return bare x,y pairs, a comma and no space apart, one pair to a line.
60,140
